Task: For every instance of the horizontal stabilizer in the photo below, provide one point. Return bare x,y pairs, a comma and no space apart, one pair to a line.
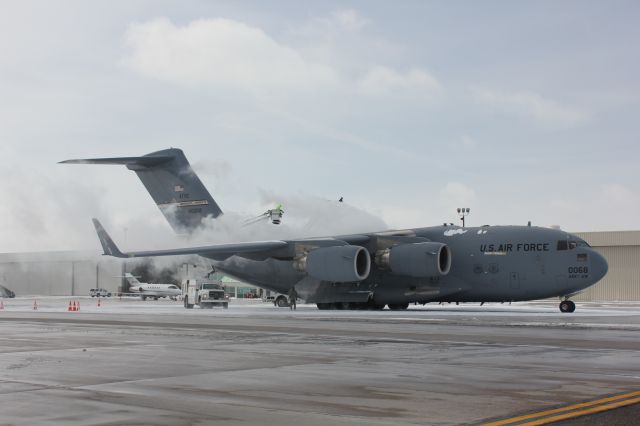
126,161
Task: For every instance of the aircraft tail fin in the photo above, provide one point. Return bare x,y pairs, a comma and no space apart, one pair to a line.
172,183
108,246
132,280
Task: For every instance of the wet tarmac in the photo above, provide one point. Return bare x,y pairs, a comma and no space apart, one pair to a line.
129,362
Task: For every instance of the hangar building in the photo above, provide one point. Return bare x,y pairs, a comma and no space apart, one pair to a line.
59,273
622,251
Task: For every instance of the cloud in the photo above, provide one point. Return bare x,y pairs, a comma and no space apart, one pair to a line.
219,169
350,19
465,143
220,53
223,54
530,104
606,206
383,80
617,195
47,212
456,194
335,25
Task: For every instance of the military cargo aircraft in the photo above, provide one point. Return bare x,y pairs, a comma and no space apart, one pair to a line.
394,268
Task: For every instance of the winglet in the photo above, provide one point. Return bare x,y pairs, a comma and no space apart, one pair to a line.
108,246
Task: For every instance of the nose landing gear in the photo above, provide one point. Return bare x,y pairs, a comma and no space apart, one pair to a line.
567,306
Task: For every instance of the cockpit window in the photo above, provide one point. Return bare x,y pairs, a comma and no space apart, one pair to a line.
570,245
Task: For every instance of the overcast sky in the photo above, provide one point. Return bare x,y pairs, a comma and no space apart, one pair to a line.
519,110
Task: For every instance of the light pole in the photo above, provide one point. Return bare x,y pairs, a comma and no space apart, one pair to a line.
462,212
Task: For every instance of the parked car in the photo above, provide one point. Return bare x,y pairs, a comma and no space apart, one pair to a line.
99,292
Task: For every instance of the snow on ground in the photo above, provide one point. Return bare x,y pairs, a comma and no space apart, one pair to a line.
245,307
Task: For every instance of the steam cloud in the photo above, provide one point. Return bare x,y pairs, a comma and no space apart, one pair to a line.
52,209
305,216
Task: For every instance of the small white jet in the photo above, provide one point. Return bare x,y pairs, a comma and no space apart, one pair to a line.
155,291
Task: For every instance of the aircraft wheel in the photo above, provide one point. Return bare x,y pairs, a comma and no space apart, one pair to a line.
567,306
323,306
282,302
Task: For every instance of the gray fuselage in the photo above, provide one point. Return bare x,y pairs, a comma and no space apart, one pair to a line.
489,264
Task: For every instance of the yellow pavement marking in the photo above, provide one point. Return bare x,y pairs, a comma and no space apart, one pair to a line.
563,409
572,414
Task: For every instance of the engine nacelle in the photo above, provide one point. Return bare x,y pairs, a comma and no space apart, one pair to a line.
417,260
339,264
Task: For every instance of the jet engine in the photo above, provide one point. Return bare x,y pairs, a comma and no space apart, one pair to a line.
417,260
336,264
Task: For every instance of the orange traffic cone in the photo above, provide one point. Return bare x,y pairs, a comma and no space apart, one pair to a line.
78,306
69,309
35,305
73,307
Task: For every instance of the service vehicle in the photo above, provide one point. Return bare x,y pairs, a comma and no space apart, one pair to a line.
278,299
99,292
205,293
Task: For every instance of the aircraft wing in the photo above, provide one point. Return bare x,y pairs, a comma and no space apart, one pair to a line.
219,251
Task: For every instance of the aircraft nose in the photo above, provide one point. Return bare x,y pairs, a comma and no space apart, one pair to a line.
599,266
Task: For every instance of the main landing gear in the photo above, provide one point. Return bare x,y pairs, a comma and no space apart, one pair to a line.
567,306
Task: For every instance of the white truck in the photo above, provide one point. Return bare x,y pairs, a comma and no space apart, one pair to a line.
204,293
99,292
279,300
